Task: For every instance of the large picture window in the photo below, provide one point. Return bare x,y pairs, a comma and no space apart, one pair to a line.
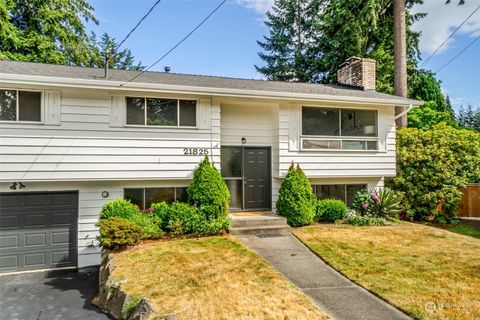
17,105
340,129
161,112
344,192
145,197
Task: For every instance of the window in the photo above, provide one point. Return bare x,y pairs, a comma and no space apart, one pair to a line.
16,105
161,112
339,129
344,192
231,160
145,197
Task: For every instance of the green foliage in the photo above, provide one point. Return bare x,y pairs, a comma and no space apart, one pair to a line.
330,210
363,202
183,219
377,203
469,117
296,201
431,166
119,208
208,192
365,220
426,116
54,32
116,233
149,223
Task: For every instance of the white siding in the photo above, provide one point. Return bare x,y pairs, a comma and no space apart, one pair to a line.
91,142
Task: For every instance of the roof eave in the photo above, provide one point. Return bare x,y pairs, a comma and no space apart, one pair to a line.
207,91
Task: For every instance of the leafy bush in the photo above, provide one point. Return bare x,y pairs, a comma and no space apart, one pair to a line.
363,202
383,203
296,200
208,190
365,220
431,166
116,233
330,210
150,224
183,219
118,208
161,212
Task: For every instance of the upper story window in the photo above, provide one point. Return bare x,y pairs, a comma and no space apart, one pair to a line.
161,112
336,128
19,105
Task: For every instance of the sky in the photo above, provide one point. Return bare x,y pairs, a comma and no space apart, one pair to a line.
226,45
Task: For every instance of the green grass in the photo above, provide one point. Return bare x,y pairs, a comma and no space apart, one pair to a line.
412,266
460,228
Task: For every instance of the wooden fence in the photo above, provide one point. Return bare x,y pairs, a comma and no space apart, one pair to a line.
470,204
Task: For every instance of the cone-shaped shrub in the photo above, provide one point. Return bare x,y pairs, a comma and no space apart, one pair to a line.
296,201
208,192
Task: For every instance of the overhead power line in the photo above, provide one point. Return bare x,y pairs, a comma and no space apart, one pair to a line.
138,23
178,43
451,35
463,50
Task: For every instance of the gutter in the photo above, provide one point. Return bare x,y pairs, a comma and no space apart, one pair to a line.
205,91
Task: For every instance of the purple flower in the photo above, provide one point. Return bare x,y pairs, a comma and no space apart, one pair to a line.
365,206
150,209
375,197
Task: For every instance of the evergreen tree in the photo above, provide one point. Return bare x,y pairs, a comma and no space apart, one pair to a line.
469,117
118,59
289,50
449,107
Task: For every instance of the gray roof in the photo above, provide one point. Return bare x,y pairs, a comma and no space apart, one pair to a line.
187,80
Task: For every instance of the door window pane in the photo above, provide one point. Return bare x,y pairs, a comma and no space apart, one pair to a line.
359,123
8,105
336,191
136,111
181,194
161,112
320,121
155,195
188,110
352,190
135,196
235,189
231,161
29,105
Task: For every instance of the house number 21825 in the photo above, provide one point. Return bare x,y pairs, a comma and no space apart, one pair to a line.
195,151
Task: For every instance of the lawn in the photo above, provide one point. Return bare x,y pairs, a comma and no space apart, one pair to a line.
210,278
427,272
461,228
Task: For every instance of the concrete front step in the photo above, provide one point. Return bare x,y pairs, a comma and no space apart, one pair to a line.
266,229
257,221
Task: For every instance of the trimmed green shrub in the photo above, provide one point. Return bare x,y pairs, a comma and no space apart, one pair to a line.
116,233
330,210
208,190
150,224
118,208
296,201
362,204
431,166
161,211
183,219
365,220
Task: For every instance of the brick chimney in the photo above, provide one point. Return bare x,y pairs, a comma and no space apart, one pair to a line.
357,72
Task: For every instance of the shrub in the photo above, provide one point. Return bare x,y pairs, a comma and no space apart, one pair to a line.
209,190
363,202
431,166
149,223
365,220
161,211
116,233
383,203
296,200
118,208
330,210
182,219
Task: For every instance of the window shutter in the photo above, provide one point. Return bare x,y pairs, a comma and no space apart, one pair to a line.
117,111
52,113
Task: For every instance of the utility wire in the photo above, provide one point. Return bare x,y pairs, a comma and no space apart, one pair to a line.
451,35
464,49
178,43
138,24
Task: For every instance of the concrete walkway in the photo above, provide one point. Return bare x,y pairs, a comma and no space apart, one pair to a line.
332,292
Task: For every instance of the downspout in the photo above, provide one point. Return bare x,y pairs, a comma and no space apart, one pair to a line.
404,112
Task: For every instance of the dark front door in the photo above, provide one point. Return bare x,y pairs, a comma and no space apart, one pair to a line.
256,178
38,230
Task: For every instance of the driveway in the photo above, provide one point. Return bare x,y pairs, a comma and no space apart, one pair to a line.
49,295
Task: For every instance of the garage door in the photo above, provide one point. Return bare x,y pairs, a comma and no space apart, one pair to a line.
38,230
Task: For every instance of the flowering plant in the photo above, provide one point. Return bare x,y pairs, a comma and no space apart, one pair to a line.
383,203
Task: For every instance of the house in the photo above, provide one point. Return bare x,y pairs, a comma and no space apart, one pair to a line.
72,139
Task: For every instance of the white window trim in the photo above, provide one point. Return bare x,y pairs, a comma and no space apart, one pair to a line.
145,125
339,137
17,115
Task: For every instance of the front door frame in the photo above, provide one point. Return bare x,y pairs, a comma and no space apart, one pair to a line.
269,178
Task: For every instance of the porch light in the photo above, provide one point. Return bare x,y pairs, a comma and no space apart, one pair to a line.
244,140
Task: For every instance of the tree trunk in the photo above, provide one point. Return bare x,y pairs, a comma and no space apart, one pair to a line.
400,57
